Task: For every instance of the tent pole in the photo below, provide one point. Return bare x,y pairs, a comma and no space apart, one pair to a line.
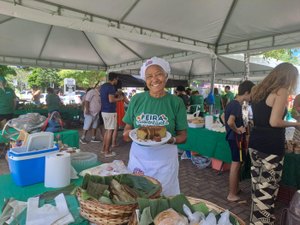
247,66
213,77
245,105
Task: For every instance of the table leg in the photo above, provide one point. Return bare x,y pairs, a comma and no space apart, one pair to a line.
221,168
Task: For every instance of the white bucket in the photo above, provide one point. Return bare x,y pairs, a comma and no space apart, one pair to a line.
209,120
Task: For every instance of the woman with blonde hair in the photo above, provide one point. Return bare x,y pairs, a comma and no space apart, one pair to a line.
267,138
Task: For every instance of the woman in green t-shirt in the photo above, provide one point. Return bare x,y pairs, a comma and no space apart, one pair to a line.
218,102
52,100
197,103
156,107
7,100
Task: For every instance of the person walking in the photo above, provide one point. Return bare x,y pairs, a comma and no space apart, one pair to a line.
108,111
91,109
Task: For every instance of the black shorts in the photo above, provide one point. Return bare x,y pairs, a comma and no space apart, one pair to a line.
235,151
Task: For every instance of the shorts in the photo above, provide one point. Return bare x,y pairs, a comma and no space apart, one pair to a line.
110,120
235,151
90,120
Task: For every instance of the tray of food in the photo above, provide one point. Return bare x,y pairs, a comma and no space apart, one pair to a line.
196,122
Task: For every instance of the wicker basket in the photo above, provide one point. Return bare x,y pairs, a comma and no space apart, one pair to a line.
109,214
193,201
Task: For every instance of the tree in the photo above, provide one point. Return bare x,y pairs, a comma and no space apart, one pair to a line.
285,55
43,78
7,72
84,79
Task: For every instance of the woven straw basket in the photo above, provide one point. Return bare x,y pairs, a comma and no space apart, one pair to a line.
109,214
193,201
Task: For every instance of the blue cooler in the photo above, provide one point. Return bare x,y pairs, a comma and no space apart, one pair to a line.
28,167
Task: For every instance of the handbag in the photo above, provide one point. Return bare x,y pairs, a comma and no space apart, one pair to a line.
53,123
245,171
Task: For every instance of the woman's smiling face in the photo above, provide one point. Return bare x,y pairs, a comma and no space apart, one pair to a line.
156,79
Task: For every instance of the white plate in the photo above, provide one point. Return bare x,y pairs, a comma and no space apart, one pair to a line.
196,125
133,136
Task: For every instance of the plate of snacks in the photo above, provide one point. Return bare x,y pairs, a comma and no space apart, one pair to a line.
150,136
196,122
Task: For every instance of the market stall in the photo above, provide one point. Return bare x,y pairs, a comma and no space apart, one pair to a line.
213,144
46,195
207,143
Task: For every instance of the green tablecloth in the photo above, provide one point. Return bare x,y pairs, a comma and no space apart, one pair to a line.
9,189
213,144
291,170
69,137
208,143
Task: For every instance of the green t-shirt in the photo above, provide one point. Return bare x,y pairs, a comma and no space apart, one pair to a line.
53,102
217,105
168,111
230,96
196,100
7,97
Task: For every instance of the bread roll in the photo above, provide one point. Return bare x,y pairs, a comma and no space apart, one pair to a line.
170,217
148,133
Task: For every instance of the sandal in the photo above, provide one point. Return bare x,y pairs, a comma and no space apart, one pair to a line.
111,154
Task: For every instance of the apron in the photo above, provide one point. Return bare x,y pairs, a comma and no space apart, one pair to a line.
159,162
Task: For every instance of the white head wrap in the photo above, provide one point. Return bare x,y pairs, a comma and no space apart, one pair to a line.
155,61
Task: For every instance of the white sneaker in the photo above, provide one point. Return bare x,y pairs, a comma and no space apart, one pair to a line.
111,154
83,141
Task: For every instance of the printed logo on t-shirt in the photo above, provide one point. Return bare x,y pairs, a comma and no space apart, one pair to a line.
147,119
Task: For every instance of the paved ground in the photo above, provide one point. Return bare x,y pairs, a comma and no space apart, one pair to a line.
198,183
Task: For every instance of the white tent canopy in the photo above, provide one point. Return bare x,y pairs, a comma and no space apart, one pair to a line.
118,35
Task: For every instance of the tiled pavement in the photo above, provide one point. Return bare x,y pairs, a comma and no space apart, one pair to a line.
198,183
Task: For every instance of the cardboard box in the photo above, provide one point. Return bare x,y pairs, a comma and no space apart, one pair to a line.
217,165
26,167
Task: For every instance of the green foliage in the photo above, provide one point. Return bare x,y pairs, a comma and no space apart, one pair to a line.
285,55
84,79
9,73
6,70
43,78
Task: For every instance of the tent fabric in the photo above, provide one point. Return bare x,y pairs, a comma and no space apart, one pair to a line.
131,81
120,35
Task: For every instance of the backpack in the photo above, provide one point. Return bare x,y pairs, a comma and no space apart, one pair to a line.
53,123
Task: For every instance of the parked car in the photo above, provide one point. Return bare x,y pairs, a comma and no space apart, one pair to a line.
43,98
26,95
72,99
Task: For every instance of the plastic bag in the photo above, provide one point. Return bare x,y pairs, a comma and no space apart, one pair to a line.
30,122
201,162
209,220
224,219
